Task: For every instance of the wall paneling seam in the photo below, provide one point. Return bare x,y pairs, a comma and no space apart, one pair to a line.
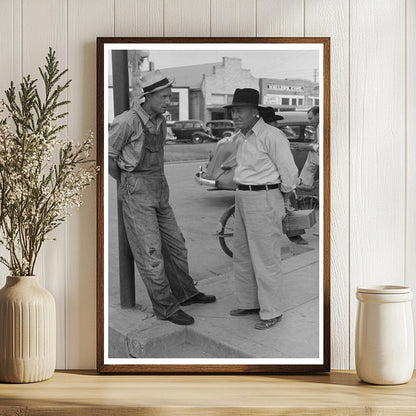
405,142
21,39
349,185
210,18
66,221
304,17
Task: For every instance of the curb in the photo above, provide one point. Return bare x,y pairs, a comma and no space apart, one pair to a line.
215,334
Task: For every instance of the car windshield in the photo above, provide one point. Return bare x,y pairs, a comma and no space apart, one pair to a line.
292,132
296,133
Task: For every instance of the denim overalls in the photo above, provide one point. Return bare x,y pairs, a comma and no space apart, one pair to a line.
155,240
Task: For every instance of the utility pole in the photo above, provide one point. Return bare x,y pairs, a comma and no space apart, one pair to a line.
315,75
125,256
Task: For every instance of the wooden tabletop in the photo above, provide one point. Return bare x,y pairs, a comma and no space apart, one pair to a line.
86,393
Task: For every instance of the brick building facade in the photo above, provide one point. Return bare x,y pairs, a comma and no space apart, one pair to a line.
211,86
218,86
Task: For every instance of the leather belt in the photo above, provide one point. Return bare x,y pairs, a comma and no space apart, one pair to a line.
257,187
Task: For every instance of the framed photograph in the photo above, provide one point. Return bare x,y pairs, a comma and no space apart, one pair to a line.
213,205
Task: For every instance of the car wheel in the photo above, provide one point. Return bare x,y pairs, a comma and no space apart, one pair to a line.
227,134
197,139
226,230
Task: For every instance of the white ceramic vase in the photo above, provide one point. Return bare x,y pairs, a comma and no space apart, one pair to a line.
27,331
384,338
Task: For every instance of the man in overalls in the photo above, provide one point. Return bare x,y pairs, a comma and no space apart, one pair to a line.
136,148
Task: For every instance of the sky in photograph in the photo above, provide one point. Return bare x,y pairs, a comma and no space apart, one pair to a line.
292,64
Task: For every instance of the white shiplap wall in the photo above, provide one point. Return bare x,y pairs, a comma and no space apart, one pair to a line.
373,124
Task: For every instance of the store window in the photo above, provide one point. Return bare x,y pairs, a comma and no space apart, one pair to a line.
220,99
285,101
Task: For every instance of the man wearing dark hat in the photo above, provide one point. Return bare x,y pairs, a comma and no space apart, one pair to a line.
136,149
265,171
269,116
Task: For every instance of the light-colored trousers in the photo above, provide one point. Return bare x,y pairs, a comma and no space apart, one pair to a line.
257,240
310,168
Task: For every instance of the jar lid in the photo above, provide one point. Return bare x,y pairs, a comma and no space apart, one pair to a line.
384,289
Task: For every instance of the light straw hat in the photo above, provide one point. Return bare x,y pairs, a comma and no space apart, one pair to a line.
154,81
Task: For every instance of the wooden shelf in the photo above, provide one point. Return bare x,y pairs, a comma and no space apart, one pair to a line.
86,393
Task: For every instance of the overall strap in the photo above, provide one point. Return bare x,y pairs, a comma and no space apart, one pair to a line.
153,141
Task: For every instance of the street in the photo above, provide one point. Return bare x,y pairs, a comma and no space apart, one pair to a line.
215,333
180,152
197,211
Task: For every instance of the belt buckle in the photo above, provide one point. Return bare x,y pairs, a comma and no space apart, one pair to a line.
249,187
267,187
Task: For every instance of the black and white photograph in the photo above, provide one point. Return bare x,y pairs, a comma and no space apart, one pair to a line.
214,214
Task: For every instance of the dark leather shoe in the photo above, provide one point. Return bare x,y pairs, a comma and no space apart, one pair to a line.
199,298
298,240
267,323
181,318
244,312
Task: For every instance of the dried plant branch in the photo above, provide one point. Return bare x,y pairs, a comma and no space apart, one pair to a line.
41,176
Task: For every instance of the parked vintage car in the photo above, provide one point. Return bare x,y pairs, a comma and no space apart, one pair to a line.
191,130
221,128
219,171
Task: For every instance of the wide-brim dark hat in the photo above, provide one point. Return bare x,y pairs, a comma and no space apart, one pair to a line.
268,114
245,97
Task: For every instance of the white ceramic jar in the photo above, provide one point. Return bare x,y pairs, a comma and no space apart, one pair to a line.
384,337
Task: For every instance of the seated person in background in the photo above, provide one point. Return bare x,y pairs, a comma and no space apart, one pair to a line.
269,116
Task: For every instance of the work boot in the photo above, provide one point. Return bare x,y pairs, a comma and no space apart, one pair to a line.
298,240
181,318
244,312
199,298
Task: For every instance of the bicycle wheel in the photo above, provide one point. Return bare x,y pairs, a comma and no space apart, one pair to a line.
307,202
225,230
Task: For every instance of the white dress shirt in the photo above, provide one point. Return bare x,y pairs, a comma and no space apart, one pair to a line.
264,158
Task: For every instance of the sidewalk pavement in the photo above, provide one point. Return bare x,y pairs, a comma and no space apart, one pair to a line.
215,334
